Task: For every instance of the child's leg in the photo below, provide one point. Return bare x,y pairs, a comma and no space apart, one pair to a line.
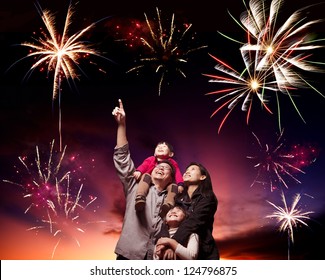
169,201
142,191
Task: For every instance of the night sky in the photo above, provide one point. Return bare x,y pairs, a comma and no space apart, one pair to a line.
180,114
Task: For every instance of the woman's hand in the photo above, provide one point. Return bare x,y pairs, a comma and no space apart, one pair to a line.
169,254
170,245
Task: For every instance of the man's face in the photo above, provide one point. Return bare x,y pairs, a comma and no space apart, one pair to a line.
162,172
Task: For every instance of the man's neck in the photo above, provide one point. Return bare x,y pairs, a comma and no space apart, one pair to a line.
159,186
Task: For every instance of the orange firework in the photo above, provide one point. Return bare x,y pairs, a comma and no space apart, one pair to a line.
59,53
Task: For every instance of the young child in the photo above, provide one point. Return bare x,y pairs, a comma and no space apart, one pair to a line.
174,218
163,151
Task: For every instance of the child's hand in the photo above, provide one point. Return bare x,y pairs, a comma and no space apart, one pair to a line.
180,189
136,174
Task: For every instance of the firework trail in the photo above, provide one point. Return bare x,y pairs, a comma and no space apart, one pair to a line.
283,49
240,87
275,46
59,53
275,163
289,217
166,50
55,199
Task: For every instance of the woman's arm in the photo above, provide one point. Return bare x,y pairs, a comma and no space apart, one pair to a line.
201,217
188,252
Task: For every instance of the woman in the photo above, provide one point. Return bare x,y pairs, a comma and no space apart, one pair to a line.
201,204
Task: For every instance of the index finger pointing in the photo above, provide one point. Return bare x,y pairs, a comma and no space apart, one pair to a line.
120,104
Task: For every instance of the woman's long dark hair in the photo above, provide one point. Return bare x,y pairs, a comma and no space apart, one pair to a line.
205,186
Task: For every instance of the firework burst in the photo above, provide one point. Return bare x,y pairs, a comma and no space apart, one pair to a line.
283,50
275,47
54,198
59,54
289,217
275,163
243,87
166,49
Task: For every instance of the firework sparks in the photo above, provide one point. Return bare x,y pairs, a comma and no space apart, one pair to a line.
240,88
129,34
59,53
63,214
55,199
167,49
275,46
275,162
283,50
289,217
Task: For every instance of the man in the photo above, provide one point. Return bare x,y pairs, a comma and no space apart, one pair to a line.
139,230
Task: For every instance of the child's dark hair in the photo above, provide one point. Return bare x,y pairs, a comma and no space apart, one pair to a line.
170,147
182,208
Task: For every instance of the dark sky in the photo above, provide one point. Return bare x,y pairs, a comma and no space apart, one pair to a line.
180,115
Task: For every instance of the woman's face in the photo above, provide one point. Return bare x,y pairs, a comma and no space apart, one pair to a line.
193,175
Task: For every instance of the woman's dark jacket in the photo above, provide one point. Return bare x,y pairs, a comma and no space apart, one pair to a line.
201,209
